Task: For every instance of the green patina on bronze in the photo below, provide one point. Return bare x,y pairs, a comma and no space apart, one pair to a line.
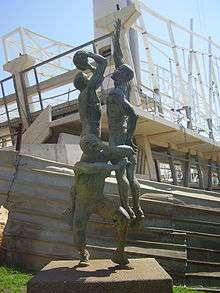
122,121
99,159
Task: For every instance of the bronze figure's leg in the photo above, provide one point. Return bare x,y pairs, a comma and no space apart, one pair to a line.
107,210
95,150
116,142
121,220
135,188
123,188
80,219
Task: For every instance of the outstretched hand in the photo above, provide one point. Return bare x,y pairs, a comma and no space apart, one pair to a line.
117,27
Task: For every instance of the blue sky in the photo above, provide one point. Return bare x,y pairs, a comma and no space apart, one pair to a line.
71,21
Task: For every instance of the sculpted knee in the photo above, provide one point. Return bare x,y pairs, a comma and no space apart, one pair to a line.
121,217
134,183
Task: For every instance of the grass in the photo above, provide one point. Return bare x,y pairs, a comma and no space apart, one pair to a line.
13,280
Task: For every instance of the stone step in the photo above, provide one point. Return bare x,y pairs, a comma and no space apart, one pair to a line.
203,240
203,254
149,234
109,242
166,187
204,289
203,279
170,215
205,246
181,212
190,225
197,226
164,212
194,266
174,262
163,247
186,196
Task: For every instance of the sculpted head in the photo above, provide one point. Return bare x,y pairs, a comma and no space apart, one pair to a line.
123,73
80,81
80,59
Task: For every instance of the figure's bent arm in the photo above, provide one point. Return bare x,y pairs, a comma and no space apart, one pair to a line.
128,110
98,73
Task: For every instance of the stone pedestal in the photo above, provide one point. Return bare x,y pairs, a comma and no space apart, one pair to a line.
142,276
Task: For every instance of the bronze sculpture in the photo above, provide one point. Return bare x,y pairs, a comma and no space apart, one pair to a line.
93,168
94,150
99,159
122,123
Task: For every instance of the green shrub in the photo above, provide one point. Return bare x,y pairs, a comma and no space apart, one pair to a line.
13,280
180,289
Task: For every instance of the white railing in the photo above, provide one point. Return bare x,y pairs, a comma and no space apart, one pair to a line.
183,65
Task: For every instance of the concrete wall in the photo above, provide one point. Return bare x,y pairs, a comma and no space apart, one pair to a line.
65,138
67,149
40,129
63,153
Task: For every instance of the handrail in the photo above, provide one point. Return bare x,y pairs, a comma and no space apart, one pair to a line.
54,97
68,52
6,79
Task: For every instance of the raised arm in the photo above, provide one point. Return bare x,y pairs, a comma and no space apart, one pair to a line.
117,52
98,72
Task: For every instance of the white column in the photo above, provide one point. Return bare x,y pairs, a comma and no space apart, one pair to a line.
15,67
150,170
105,15
102,8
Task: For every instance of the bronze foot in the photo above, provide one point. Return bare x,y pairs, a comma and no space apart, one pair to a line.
120,258
84,259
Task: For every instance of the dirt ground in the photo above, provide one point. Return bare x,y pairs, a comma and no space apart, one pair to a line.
3,220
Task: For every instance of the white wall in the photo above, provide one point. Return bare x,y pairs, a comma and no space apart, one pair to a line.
66,151
102,8
62,153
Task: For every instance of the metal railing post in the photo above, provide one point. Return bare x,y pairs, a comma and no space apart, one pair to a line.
187,165
7,113
25,111
210,175
38,88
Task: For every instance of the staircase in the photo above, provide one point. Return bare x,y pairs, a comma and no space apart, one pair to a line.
195,214
181,230
181,227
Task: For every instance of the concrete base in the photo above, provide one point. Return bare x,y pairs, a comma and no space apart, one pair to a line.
142,276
